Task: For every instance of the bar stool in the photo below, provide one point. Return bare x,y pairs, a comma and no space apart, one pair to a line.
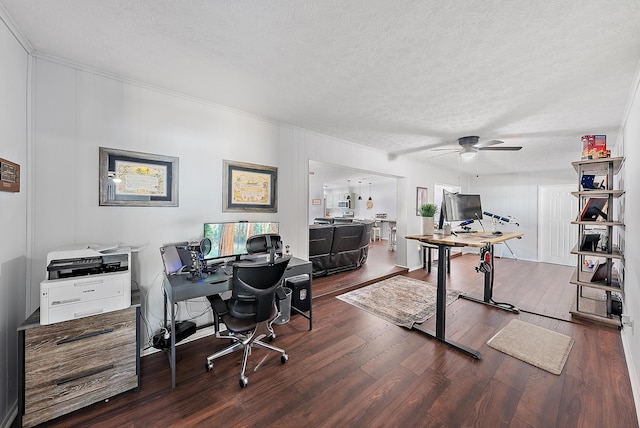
426,256
376,232
392,238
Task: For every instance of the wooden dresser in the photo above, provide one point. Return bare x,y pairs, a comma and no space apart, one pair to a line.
69,365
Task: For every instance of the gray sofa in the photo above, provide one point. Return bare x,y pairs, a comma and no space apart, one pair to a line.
336,247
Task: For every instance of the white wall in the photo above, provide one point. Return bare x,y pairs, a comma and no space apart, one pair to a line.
630,234
298,146
13,215
383,195
517,195
76,112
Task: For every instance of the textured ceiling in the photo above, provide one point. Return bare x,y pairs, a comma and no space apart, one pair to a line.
393,75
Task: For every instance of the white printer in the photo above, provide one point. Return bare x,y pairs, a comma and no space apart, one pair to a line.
84,281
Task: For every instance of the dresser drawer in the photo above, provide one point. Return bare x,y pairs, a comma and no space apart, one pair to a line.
74,363
74,337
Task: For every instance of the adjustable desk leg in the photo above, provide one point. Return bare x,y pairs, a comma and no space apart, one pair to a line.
173,346
488,290
172,352
441,309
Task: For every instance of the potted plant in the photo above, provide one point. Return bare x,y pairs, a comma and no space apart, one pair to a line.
427,211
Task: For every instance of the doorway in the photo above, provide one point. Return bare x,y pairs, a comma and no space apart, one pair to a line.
557,207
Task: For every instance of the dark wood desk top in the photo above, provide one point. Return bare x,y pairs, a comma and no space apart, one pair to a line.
180,287
473,239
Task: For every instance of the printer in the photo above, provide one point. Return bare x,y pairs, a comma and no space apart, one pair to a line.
83,281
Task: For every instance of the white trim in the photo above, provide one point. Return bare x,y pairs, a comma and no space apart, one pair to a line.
24,42
130,81
633,376
627,111
30,133
12,414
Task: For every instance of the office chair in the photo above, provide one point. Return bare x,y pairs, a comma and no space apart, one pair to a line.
251,309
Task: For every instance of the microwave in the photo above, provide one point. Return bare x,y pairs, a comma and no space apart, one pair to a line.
343,204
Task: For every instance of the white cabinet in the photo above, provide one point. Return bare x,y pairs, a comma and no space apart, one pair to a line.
333,200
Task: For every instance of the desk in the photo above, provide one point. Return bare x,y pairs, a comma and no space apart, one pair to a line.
178,288
444,243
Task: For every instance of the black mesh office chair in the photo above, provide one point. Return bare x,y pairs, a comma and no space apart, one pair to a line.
251,309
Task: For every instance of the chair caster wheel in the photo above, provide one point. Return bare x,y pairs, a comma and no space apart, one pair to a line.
243,382
272,337
284,358
208,366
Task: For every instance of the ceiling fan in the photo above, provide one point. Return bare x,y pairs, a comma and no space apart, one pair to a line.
470,145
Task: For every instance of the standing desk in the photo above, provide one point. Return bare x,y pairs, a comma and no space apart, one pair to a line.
444,243
178,288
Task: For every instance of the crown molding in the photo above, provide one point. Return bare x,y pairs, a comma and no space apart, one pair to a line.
13,28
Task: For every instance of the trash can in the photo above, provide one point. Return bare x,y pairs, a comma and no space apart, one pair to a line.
285,307
301,286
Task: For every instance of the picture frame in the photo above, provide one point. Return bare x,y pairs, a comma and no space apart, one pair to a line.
316,201
422,194
9,176
128,178
249,187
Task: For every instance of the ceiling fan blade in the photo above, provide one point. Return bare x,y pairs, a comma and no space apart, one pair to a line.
488,143
442,154
451,149
505,149
394,155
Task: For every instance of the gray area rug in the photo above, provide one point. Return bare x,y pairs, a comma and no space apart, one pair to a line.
401,300
535,345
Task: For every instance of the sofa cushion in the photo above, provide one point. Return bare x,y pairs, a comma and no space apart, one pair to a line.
320,240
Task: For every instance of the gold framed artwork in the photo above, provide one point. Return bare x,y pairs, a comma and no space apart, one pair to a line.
137,179
249,187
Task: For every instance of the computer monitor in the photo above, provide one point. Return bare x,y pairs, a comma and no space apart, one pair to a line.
230,239
460,207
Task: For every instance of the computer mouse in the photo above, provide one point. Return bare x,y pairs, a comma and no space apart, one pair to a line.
497,233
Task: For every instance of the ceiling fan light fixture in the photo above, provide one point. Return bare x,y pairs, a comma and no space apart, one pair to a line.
468,152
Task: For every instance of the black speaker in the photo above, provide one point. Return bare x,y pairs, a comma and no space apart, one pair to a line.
616,306
301,296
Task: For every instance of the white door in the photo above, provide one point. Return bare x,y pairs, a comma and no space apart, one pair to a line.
557,208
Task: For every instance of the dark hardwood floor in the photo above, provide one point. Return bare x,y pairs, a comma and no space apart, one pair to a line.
355,369
381,263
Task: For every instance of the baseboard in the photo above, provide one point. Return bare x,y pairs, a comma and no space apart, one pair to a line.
199,334
633,375
12,414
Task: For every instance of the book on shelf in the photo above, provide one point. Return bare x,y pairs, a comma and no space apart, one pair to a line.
594,209
600,272
589,242
594,182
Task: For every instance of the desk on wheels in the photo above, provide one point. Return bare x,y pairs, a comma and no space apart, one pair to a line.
444,243
178,288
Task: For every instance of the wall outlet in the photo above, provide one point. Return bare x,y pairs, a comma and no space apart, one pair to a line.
627,321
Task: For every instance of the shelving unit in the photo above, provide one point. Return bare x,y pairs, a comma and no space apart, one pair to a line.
600,267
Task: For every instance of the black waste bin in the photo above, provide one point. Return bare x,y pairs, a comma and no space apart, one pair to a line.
301,296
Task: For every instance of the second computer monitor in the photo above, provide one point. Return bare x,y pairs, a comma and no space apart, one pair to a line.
230,239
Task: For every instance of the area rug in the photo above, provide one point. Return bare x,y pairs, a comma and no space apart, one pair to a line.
535,345
401,300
